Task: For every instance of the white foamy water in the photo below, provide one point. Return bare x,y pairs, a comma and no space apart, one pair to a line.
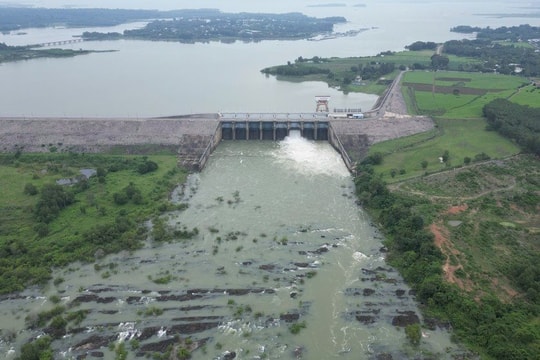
309,157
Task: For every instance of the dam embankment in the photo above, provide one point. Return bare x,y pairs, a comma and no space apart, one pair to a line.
194,137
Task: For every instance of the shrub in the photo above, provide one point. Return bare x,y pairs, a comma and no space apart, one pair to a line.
413,333
30,189
296,327
146,167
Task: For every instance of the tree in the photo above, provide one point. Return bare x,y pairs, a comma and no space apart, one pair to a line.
53,199
446,156
467,160
439,62
147,166
39,349
120,198
30,189
374,159
101,172
424,164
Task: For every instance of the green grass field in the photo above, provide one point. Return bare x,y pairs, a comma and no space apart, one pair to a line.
527,95
461,137
443,102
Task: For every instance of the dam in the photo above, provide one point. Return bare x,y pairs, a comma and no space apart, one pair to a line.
195,136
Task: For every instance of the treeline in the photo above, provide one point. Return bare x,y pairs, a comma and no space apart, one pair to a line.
97,36
513,33
500,330
12,18
373,70
517,122
503,58
303,67
421,45
495,50
295,70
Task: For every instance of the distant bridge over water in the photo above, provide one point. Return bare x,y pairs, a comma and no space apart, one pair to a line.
58,43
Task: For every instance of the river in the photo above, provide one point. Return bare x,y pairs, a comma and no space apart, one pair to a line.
281,242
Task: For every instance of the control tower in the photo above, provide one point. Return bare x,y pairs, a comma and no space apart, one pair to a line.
322,103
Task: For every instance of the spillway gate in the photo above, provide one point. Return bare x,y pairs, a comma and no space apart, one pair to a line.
274,127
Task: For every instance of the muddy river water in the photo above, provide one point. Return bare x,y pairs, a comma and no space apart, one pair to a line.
285,265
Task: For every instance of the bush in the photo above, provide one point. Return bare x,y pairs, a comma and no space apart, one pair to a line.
30,189
120,198
296,327
146,167
39,349
53,199
413,333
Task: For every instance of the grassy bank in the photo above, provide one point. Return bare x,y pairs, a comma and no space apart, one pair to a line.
421,154
459,206
99,215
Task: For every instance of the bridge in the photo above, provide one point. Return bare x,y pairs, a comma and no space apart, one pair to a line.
58,43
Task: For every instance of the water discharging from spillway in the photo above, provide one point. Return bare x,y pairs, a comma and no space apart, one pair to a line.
285,266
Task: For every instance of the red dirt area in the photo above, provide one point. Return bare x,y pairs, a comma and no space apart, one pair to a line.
452,210
511,293
446,247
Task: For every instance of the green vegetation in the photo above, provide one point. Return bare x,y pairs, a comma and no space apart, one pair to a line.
462,228
458,270
461,138
349,74
487,54
456,95
39,349
414,334
370,74
297,327
212,25
15,53
62,224
517,122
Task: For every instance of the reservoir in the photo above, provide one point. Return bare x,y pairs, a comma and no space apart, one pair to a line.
147,79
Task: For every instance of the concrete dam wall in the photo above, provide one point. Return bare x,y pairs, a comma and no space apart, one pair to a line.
194,137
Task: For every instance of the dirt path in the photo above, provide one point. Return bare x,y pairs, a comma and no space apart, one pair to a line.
398,186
